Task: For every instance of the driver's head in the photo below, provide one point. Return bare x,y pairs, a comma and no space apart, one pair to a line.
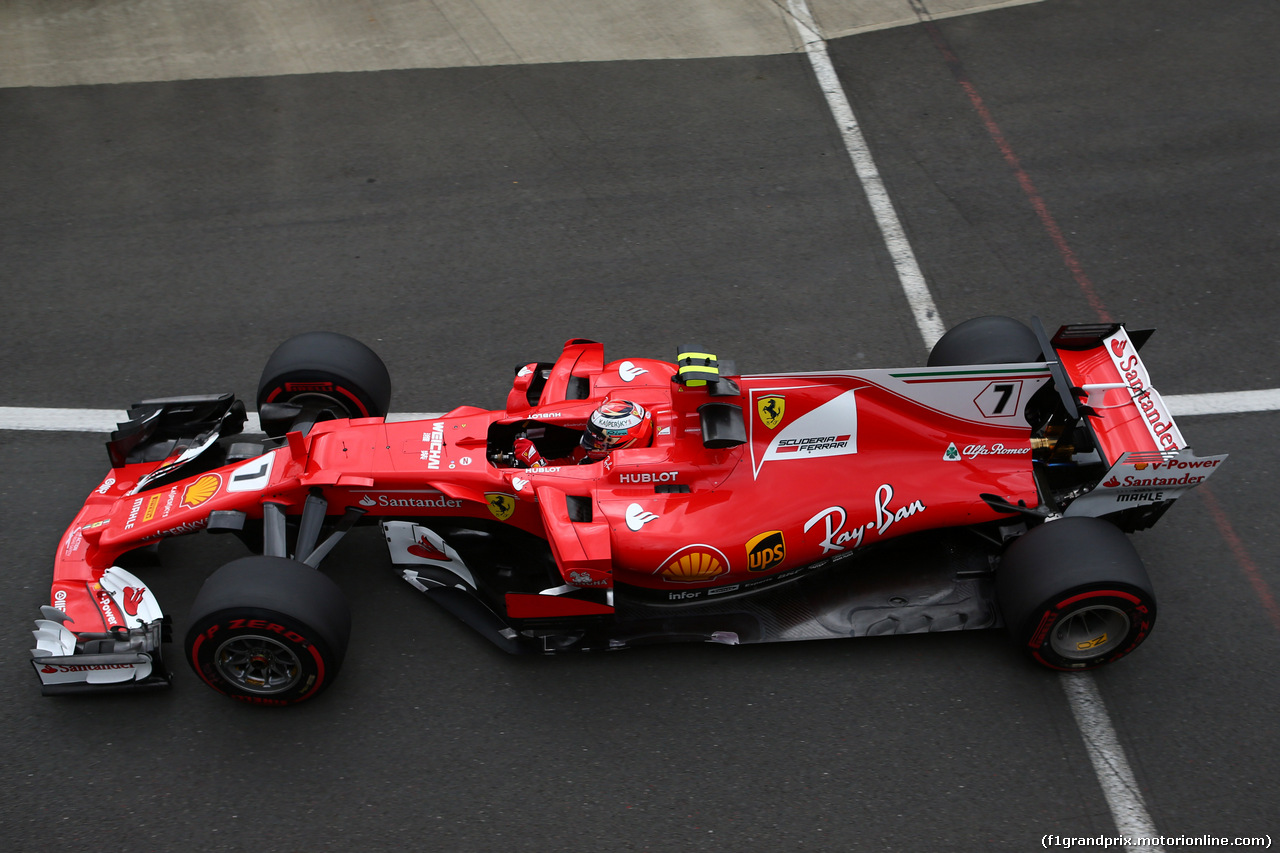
617,424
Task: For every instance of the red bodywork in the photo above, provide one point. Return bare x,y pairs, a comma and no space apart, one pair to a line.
832,461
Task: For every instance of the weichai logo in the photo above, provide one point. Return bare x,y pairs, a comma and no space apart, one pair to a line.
766,551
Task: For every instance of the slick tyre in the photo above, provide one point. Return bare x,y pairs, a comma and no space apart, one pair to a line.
1074,594
986,340
327,370
268,630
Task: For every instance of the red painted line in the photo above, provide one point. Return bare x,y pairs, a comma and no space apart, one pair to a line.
1024,180
1220,519
1251,571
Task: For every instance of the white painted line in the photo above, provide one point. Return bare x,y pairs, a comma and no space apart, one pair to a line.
105,420
61,420
1224,403
904,259
1109,762
423,416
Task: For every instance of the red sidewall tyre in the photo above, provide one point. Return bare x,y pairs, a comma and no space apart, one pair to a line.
1074,594
329,366
1129,610
268,630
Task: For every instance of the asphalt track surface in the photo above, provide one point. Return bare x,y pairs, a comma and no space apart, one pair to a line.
161,238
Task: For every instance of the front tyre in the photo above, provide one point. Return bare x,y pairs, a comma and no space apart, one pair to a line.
1075,595
268,630
325,372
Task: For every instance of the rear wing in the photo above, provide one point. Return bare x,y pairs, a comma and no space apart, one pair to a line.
1124,409
1149,463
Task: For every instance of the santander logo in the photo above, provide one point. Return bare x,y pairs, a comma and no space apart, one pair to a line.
133,596
628,371
1117,346
425,549
638,517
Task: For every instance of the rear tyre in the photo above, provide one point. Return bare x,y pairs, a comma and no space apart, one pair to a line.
268,630
326,371
1074,594
986,340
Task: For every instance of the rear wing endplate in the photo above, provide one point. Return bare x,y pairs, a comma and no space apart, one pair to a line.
1145,479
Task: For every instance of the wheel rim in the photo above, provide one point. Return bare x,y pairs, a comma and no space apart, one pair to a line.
316,401
258,664
1090,632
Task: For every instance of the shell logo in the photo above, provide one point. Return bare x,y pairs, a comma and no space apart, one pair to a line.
694,564
201,490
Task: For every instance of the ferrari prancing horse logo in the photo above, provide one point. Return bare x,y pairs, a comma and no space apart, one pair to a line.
500,505
771,409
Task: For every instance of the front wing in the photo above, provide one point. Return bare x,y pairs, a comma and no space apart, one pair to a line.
128,656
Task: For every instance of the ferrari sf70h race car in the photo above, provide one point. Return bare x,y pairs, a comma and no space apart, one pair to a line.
992,487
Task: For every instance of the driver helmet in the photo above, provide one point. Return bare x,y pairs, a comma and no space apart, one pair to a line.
617,424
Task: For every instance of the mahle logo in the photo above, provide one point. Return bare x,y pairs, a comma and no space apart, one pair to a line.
771,409
766,551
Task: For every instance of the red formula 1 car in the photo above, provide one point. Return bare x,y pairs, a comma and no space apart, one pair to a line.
993,486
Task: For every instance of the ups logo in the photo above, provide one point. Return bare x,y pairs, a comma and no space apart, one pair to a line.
766,551
771,409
